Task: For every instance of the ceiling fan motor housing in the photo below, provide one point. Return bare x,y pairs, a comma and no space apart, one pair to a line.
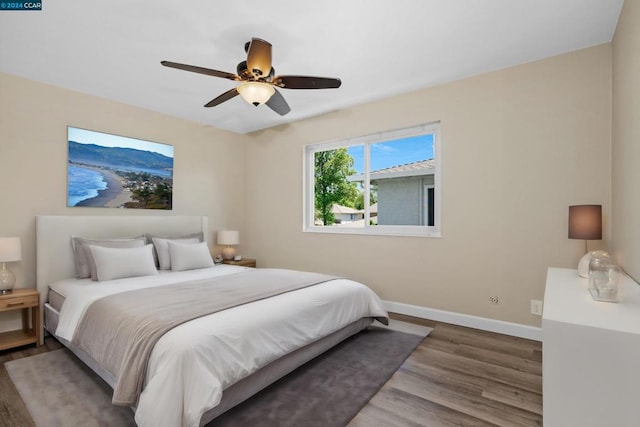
245,74
242,71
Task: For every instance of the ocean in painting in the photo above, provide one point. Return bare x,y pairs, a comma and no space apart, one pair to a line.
83,184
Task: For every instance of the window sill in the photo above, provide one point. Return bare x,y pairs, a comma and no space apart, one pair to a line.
377,231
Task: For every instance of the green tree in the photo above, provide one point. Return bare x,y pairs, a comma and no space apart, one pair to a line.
163,195
142,195
332,168
373,197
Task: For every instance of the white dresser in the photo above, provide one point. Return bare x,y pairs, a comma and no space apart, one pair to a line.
590,354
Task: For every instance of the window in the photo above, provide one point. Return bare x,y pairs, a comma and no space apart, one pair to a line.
385,184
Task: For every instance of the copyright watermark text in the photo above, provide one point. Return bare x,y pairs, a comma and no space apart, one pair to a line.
20,6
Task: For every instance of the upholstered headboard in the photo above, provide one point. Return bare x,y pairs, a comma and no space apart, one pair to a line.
54,257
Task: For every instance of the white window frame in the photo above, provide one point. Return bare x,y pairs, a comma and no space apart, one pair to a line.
308,196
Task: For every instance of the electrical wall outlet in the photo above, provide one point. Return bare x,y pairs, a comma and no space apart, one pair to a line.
536,307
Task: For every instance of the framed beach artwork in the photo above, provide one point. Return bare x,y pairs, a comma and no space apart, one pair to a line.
110,171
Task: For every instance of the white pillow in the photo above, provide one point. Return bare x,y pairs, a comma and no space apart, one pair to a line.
149,237
119,263
189,256
160,243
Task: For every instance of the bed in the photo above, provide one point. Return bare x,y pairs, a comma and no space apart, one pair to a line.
199,368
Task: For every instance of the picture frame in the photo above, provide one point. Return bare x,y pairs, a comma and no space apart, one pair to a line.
112,171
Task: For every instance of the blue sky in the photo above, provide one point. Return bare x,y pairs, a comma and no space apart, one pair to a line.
84,136
394,153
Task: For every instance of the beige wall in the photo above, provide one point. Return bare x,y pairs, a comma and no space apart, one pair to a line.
626,140
519,146
33,157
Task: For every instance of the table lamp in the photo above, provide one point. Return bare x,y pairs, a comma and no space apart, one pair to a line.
585,223
10,251
228,238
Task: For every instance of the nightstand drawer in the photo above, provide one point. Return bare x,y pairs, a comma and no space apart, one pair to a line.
17,302
244,262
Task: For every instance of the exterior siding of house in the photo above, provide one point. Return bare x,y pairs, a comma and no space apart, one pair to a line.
401,200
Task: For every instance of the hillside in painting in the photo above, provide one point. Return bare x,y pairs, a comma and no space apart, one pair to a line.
91,154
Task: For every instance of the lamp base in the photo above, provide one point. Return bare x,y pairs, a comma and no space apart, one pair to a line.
7,280
228,253
583,265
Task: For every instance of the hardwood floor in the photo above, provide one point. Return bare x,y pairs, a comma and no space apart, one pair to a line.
456,377
461,377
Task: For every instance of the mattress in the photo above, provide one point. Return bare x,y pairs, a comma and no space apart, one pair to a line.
55,300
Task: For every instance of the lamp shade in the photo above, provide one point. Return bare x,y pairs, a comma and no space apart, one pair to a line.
228,237
10,249
256,93
585,222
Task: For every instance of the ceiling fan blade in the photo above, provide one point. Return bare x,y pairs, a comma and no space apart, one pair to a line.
259,57
278,104
222,98
200,70
306,82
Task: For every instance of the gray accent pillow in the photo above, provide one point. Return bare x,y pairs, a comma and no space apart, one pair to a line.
85,264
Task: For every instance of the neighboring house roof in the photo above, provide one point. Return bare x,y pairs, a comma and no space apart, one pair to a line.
421,167
339,209
408,167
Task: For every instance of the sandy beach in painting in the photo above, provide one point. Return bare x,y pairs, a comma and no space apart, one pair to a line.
111,197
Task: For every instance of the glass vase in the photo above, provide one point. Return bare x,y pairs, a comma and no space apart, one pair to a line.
604,278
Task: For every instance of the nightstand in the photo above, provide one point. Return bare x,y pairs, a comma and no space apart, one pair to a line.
25,300
244,262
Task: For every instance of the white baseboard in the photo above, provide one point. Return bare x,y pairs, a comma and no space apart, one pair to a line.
482,323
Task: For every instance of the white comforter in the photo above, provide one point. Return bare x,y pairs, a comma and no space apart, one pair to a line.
193,363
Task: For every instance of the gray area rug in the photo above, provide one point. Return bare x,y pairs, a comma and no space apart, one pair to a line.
59,390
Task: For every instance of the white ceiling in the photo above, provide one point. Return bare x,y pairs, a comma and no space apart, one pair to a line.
379,48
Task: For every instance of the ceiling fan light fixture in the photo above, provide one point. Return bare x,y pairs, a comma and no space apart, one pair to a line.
256,93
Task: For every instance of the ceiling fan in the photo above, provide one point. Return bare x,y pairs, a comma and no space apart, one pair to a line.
258,80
